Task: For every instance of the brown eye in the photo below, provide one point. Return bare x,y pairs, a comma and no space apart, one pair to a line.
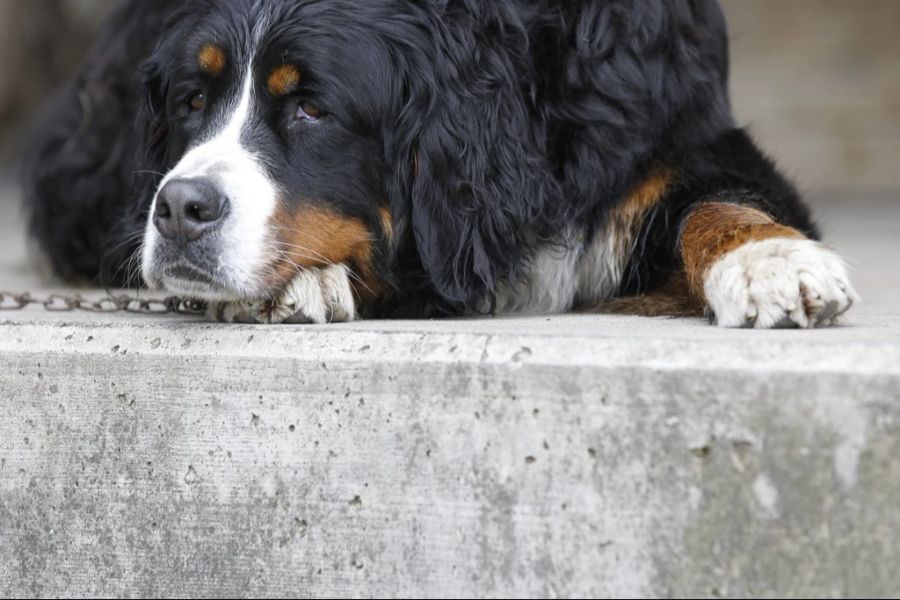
197,102
308,112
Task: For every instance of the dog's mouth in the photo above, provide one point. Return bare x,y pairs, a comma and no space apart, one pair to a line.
191,274
184,278
189,279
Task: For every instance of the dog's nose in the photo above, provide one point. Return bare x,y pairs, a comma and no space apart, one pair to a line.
188,208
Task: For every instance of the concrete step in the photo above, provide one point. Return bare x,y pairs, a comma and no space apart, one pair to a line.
565,456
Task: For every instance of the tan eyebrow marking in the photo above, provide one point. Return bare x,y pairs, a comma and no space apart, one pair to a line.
283,80
211,59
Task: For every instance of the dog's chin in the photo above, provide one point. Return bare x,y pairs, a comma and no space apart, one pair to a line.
196,290
186,281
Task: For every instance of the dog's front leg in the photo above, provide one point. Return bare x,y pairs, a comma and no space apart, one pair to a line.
754,272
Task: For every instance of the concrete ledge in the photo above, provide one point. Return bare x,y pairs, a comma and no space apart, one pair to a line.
585,457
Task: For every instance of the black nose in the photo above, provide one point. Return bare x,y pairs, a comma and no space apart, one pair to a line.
188,208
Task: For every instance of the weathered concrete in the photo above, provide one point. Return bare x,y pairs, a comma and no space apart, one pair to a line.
576,455
171,459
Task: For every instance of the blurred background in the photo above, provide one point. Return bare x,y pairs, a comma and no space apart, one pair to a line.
41,43
816,81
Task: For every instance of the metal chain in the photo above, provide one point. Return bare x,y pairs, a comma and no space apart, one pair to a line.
110,304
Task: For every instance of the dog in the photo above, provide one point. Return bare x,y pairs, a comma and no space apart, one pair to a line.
326,160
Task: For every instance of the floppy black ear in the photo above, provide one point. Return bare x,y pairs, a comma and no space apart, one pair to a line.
156,79
118,265
151,132
478,185
152,118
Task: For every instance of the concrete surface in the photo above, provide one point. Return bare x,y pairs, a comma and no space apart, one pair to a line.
565,456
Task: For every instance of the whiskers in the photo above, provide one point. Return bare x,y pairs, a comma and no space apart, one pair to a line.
130,266
284,260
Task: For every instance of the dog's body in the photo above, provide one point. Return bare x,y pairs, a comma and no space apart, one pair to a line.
318,160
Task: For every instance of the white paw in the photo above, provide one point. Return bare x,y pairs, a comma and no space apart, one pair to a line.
779,283
313,296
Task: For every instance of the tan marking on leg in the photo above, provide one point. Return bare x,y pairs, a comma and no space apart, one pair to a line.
714,229
602,267
629,216
673,299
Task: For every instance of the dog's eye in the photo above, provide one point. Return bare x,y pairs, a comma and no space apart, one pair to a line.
197,102
307,112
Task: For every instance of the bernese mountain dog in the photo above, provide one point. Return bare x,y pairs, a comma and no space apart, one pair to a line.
324,160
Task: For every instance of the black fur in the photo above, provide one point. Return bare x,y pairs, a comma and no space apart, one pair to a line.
489,126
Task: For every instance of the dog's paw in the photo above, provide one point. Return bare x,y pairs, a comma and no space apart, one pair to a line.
232,312
779,283
314,296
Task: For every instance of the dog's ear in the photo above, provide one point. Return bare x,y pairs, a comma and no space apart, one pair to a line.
150,134
474,182
153,118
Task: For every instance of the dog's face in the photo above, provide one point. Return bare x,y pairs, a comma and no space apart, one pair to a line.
399,139
268,117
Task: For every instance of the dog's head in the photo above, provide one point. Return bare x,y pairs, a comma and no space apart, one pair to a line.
265,125
300,134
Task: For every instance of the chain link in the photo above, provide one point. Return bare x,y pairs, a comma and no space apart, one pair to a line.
110,304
